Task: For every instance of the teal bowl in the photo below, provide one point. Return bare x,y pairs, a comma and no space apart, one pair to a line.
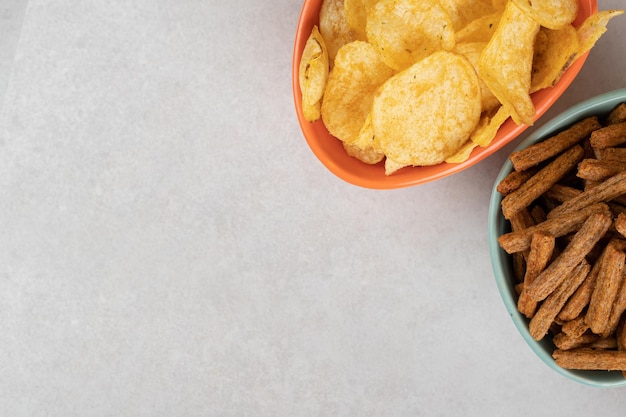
501,261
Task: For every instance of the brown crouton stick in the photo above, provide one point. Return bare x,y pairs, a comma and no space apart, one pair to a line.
599,169
605,291
542,151
541,181
547,312
516,241
541,248
583,241
609,136
590,359
605,191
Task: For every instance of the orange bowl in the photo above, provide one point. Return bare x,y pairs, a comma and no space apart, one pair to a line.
329,149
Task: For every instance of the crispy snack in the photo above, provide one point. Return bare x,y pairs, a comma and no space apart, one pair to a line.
356,15
620,224
517,241
561,193
619,306
488,126
574,307
514,180
313,74
541,249
574,253
334,27
565,341
405,31
554,53
480,29
576,327
599,170
617,115
593,28
542,181
606,288
506,63
549,13
610,154
542,151
355,78
547,312
441,84
609,136
591,359
605,191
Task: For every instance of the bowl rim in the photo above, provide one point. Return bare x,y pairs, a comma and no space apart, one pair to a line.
500,260
412,176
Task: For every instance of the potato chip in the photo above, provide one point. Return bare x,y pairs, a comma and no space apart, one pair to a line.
472,51
593,28
355,77
356,15
479,30
506,63
462,12
425,114
313,74
405,31
550,13
462,154
499,4
554,52
488,126
364,147
334,27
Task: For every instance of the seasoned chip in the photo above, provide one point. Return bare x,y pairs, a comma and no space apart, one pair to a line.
364,147
405,31
356,15
550,13
479,30
554,52
411,112
462,12
356,75
506,63
313,74
488,126
472,51
334,27
593,28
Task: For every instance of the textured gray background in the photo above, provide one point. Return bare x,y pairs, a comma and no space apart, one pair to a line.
169,245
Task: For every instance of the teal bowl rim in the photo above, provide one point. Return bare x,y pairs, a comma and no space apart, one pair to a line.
501,262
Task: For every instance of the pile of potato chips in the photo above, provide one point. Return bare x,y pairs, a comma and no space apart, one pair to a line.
420,82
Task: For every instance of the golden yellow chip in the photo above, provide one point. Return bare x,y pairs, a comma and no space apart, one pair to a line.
425,113
488,126
356,15
499,4
334,27
462,154
472,51
365,148
355,77
405,31
462,12
551,14
506,63
479,30
593,28
313,74
554,52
